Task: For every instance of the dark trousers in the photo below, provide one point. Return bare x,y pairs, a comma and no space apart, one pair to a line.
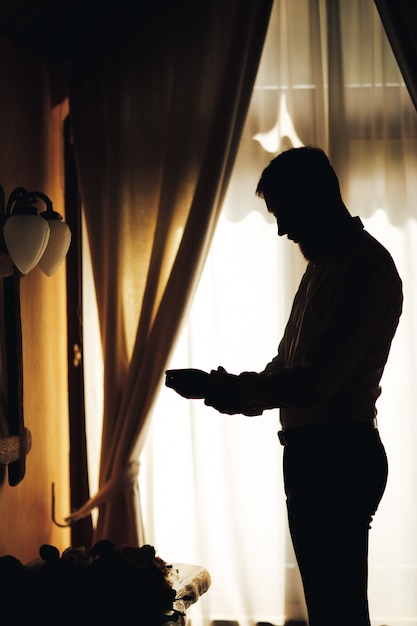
334,480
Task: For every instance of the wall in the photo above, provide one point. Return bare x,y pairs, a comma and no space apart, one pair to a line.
31,157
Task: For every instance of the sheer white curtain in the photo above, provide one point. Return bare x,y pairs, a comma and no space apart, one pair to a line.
212,484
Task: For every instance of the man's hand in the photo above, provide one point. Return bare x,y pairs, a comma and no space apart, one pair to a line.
189,383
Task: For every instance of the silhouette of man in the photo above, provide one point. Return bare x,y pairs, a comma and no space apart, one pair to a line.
325,379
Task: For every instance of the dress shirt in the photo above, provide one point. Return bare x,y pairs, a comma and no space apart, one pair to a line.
336,343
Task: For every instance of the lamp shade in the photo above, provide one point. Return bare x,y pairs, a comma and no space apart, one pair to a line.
26,237
57,248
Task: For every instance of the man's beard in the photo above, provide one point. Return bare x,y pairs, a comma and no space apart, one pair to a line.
311,250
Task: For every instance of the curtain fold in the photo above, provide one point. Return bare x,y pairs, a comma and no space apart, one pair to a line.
399,18
156,122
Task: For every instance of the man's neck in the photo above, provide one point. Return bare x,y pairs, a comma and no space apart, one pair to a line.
331,230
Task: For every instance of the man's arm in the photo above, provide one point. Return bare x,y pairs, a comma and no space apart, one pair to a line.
249,393
219,389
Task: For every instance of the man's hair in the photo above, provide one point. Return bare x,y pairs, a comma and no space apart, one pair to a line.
300,176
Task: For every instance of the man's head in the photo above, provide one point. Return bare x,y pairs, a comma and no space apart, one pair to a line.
301,190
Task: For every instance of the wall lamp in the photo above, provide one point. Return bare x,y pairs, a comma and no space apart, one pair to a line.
31,237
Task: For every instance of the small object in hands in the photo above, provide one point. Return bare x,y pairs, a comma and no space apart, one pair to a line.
189,383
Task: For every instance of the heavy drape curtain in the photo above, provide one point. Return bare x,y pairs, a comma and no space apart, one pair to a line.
156,122
400,22
328,77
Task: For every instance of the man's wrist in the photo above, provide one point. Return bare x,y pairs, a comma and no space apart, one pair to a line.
219,386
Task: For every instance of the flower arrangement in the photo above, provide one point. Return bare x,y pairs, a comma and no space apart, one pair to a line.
107,585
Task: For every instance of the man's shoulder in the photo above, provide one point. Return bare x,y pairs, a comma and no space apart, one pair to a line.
376,264
372,249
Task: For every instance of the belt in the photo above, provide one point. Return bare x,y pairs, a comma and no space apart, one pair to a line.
323,433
